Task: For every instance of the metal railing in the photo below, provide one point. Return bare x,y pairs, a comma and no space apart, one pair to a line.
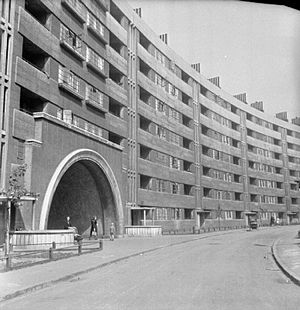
34,257
77,7
72,40
68,79
93,23
94,95
94,59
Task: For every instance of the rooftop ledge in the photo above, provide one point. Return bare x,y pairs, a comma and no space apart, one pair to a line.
60,122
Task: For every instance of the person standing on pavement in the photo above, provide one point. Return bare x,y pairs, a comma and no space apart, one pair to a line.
68,223
112,232
94,227
272,221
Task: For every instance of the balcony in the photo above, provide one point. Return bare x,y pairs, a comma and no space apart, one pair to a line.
103,4
72,43
69,82
96,99
95,62
76,7
96,28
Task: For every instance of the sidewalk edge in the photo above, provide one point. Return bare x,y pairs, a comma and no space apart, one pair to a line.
289,273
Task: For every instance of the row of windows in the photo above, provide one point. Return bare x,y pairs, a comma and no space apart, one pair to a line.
218,118
263,152
261,122
295,147
166,110
263,167
219,155
165,159
165,186
71,81
221,194
220,137
294,160
83,12
266,183
69,38
164,133
166,86
262,137
295,173
166,214
221,175
68,117
217,99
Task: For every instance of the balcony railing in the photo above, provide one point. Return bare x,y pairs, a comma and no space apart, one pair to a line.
96,27
77,8
72,42
95,98
70,82
95,61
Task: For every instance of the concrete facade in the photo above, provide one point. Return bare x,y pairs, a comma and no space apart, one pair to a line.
111,122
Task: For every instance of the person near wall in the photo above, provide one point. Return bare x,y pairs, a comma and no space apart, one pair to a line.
112,232
68,223
94,227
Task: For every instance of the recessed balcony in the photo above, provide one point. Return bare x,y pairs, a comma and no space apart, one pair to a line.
96,99
96,28
95,62
72,43
76,7
69,82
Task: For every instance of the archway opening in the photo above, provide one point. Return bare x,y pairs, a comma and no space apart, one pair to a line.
83,192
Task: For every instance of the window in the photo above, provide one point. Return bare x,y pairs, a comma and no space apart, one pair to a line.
160,106
94,95
161,214
94,59
69,38
161,132
188,214
228,215
161,186
94,24
174,188
174,114
67,78
174,138
174,163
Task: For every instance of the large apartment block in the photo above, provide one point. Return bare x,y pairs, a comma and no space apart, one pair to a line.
112,123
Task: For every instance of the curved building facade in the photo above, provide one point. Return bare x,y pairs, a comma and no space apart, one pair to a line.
112,122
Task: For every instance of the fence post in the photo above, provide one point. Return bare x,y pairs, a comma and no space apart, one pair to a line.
100,244
79,249
8,262
53,245
50,253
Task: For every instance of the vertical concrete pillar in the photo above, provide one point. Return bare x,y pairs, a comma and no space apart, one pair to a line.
197,147
244,160
286,183
132,173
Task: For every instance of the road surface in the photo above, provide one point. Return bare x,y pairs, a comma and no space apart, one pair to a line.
232,271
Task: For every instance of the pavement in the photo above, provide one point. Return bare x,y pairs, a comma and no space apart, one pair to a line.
286,252
14,283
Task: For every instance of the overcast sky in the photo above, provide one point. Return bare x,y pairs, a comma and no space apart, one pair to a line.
254,48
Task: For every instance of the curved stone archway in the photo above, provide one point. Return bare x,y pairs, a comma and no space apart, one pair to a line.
83,185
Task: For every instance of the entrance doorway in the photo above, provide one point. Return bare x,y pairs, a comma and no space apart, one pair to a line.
83,186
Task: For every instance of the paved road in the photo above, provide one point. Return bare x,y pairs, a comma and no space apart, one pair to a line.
234,271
